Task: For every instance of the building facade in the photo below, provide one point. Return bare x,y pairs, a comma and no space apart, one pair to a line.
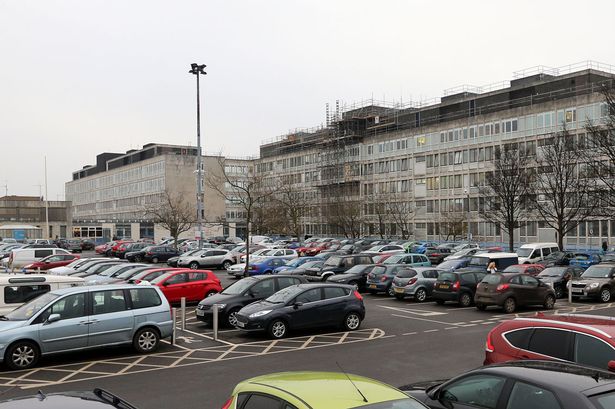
25,217
110,199
417,170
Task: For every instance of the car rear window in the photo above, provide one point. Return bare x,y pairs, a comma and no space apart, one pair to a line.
447,277
519,338
406,274
492,279
605,400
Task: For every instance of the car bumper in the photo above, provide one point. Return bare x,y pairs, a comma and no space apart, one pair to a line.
446,296
376,286
586,292
247,324
407,291
490,299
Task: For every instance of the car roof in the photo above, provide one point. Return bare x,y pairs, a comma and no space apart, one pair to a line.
70,290
496,255
37,279
534,245
320,390
597,323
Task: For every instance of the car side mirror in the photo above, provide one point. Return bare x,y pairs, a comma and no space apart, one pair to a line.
433,393
297,304
56,317
611,366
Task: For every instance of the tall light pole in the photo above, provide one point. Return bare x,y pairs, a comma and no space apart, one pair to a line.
197,70
467,192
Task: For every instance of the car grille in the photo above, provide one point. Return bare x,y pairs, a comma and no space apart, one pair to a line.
203,307
578,285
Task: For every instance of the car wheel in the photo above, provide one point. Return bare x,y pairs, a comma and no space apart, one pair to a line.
226,265
146,340
390,291
155,260
22,355
465,300
354,284
440,302
277,329
481,307
549,302
138,258
420,295
605,295
194,265
559,292
352,321
510,305
231,317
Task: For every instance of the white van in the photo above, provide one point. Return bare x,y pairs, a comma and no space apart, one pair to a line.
22,257
534,252
20,288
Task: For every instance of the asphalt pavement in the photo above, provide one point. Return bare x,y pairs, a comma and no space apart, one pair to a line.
400,342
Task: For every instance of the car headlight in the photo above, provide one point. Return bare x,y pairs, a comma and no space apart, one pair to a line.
259,313
594,285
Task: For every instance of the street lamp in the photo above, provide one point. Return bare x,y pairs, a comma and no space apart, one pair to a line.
197,70
467,193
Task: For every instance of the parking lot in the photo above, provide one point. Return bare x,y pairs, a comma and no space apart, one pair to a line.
399,342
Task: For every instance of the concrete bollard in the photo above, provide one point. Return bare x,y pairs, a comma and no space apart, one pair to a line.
215,320
174,319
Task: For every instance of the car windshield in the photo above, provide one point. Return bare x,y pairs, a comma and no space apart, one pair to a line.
449,264
27,310
406,274
597,272
113,270
447,277
333,261
295,263
407,403
552,272
524,252
378,270
479,261
285,295
239,287
375,249
131,272
160,278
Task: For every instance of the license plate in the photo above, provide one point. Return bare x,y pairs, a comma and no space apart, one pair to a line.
200,313
373,286
577,290
444,286
240,324
398,290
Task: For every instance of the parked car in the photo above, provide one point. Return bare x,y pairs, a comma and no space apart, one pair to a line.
155,254
339,264
309,268
534,252
304,306
78,265
194,285
241,293
53,261
97,268
138,255
287,254
127,275
416,283
458,286
436,255
454,264
17,289
19,258
314,390
383,249
265,266
421,247
558,277
412,260
512,290
380,279
49,324
480,262
111,273
596,282
128,247
531,269
584,260
151,274
356,276
556,258
463,253
102,248
60,400
210,258
87,245
521,385
73,246
294,263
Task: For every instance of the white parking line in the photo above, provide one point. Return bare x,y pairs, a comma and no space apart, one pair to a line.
421,313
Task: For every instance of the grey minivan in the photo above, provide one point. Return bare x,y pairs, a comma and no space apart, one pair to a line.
71,319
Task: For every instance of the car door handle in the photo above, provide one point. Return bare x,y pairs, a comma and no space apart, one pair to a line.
524,357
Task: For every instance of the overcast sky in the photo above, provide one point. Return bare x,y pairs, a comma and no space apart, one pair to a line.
81,77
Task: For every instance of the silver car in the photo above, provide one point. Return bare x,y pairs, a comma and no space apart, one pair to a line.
209,258
416,282
77,318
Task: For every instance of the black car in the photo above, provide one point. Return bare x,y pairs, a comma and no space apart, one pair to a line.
311,268
137,255
87,245
558,277
154,254
557,258
356,276
340,264
457,286
85,400
128,248
241,293
304,306
437,254
521,385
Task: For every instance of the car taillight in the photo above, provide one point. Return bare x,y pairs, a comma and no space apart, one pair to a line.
489,344
456,286
383,278
435,254
227,404
502,287
358,295
149,253
411,281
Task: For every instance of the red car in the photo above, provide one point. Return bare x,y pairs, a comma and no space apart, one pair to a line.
55,260
151,274
312,251
114,248
302,251
102,248
194,285
531,269
584,339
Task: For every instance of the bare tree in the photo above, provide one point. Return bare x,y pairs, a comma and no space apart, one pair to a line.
400,212
566,194
598,150
506,191
248,191
453,225
172,213
345,217
292,205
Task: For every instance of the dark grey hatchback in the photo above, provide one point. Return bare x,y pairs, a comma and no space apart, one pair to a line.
304,306
99,398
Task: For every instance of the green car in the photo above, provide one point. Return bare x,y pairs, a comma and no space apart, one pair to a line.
318,390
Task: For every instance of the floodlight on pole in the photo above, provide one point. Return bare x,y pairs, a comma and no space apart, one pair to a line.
198,70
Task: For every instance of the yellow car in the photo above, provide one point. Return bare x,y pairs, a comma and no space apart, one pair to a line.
317,390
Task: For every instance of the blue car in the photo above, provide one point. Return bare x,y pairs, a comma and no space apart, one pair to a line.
266,266
584,260
293,264
420,249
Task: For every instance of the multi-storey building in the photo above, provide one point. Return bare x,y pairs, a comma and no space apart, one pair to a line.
26,217
110,198
418,168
